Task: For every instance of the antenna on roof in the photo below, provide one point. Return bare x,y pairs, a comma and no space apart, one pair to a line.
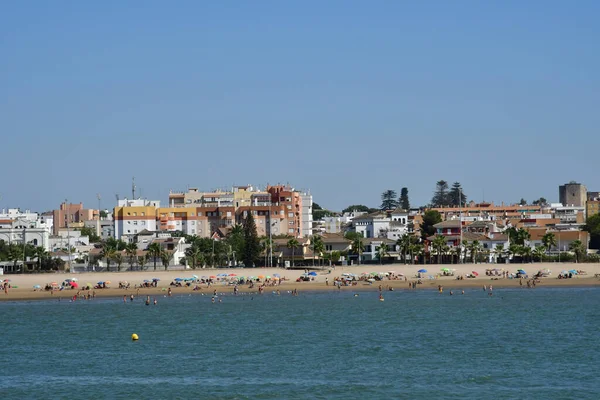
133,188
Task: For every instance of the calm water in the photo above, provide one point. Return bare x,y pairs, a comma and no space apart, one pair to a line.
519,344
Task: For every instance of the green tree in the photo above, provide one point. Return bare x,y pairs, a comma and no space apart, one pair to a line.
118,259
578,248
404,201
319,212
457,196
430,218
15,254
592,226
404,244
438,243
475,248
293,244
357,207
382,252
193,255
103,214
131,252
441,196
517,236
91,234
165,258
41,255
523,202
539,253
318,247
549,241
526,252
251,254
155,251
142,261
388,200
540,202
108,253
499,250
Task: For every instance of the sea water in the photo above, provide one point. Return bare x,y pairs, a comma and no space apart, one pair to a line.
517,344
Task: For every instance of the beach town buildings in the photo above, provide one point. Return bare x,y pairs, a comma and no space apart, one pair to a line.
25,231
382,224
72,214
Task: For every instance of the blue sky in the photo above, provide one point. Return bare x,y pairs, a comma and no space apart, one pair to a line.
345,98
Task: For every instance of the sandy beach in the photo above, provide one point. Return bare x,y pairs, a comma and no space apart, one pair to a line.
22,286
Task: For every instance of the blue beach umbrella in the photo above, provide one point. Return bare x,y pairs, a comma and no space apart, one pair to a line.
155,279
573,271
277,275
421,271
100,283
221,274
312,273
146,281
521,271
178,279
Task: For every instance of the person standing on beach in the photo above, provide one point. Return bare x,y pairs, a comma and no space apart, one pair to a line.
169,292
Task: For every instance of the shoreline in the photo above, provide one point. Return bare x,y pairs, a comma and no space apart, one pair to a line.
312,287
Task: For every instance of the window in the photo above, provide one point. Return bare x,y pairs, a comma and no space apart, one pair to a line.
135,214
143,214
291,223
328,247
291,230
291,215
229,213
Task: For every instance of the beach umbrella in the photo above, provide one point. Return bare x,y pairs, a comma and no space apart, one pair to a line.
155,279
422,271
178,279
7,280
37,287
312,273
195,276
53,284
212,277
277,275
373,273
573,271
88,284
445,270
146,281
221,274
74,279
520,271
232,274
261,277
268,277
74,284
371,280
107,282
475,273
101,283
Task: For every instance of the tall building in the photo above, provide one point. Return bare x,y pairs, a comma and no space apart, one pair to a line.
133,216
572,194
73,214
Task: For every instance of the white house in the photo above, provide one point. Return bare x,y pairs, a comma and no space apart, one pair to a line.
373,225
337,224
24,231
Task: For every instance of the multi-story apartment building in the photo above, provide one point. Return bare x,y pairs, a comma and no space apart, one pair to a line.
278,210
73,214
133,216
592,206
488,211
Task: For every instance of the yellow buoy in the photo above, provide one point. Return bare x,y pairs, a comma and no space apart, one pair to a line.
134,336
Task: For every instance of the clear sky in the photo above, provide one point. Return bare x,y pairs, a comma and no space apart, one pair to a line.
345,98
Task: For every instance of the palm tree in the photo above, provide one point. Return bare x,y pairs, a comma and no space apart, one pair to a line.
358,247
236,229
526,252
404,244
318,247
499,250
118,259
142,260
577,247
293,244
475,247
154,251
108,252
549,241
539,253
438,243
266,244
15,254
382,252
41,254
193,253
131,252
452,252
165,258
